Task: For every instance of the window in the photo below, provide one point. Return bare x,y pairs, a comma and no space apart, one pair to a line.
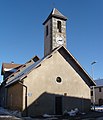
58,79
100,90
35,59
100,102
47,30
59,25
91,93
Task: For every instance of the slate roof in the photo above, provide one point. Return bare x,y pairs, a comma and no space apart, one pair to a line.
24,72
55,13
99,82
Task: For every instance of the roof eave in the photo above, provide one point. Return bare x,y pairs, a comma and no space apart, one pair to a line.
55,16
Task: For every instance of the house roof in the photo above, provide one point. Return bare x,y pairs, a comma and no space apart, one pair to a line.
22,68
99,82
9,67
24,72
55,13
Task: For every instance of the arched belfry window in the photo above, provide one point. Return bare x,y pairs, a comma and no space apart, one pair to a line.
59,25
47,30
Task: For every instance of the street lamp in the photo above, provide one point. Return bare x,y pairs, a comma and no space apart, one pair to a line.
93,69
93,86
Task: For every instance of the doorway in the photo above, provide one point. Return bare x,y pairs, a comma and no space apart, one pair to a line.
58,105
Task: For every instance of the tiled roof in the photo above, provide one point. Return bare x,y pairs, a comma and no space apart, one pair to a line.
8,66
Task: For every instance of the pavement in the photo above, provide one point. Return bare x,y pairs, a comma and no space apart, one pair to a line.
92,115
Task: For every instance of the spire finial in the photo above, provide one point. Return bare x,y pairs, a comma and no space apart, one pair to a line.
53,5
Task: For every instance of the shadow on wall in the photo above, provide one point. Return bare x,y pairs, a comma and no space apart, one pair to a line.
3,95
48,103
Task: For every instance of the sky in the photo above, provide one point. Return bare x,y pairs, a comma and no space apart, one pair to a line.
22,31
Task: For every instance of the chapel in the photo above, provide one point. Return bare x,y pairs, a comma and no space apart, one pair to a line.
49,85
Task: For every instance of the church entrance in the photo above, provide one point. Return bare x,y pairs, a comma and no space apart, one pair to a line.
58,105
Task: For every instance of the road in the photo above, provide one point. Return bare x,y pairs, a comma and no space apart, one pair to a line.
8,115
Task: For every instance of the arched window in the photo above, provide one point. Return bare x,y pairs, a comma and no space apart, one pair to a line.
47,30
59,25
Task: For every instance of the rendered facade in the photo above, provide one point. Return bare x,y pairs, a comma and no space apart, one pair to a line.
97,93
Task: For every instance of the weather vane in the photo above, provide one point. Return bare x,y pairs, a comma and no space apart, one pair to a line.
53,4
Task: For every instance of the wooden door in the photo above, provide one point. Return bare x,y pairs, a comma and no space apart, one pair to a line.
58,105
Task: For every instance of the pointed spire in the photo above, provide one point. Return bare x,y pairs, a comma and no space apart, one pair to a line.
58,14
55,13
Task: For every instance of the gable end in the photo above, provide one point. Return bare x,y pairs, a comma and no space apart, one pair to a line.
69,58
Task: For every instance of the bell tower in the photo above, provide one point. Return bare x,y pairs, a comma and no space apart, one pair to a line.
54,31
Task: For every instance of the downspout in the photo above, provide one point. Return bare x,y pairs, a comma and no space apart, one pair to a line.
25,97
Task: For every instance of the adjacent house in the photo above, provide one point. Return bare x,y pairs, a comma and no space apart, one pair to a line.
53,84
7,69
97,93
